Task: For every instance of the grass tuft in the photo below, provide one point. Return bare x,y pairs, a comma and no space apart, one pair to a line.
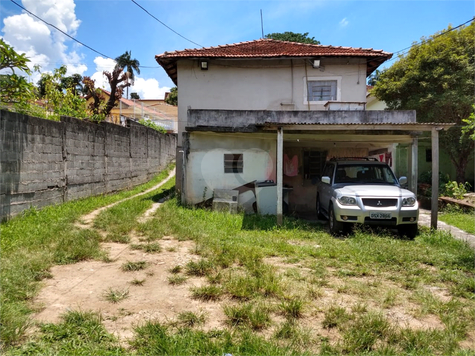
152,247
115,295
207,293
249,315
176,279
190,319
134,266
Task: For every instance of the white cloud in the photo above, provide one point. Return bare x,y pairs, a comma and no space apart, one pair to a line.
42,45
145,88
102,64
344,22
148,89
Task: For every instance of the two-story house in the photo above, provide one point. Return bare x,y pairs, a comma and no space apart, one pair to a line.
268,110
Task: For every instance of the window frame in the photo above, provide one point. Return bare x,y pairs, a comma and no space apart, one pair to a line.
234,165
306,80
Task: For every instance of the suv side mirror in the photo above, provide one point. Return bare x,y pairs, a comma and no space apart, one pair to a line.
402,180
326,180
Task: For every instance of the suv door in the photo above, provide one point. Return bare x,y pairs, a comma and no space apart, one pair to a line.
325,190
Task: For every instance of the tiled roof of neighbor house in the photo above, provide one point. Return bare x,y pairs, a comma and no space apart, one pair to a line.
268,48
146,110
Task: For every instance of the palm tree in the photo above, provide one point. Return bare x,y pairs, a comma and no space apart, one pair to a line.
130,65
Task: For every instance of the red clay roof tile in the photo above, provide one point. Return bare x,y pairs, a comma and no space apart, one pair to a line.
268,48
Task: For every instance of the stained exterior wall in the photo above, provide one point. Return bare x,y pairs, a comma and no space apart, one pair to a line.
273,85
204,162
45,162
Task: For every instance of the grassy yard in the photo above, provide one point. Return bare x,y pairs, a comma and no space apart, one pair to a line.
290,290
30,244
464,220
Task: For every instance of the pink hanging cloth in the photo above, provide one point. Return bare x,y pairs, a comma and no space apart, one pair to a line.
291,166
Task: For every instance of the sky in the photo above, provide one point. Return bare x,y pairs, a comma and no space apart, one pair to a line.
111,27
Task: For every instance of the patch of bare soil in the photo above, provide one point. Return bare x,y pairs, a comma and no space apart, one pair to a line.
82,286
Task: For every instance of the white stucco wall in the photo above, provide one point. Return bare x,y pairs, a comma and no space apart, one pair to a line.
205,162
374,103
262,84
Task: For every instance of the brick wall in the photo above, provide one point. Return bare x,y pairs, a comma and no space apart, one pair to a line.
46,162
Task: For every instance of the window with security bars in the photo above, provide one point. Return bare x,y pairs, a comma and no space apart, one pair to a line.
233,163
322,90
313,162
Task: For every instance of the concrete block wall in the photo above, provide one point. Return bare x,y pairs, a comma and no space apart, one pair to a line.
45,162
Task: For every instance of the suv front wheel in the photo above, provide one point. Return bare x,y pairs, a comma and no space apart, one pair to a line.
337,228
408,230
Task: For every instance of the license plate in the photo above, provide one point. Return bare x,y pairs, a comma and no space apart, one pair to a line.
374,215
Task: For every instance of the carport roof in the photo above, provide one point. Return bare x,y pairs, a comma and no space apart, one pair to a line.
409,126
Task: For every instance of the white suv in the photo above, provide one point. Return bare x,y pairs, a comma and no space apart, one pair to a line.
365,191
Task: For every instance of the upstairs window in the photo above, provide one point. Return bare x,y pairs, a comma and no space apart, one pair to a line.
233,163
321,90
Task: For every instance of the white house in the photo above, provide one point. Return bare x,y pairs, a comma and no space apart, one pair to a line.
268,110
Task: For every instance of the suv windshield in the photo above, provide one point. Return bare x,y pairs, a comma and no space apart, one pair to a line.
361,173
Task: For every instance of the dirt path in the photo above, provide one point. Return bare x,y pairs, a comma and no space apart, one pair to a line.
82,286
86,221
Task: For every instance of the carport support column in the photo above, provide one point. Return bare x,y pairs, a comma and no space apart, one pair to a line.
280,173
414,164
435,178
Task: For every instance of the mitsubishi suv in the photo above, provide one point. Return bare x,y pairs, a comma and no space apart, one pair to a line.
365,191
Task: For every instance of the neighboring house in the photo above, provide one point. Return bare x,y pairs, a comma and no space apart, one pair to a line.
399,152
269,110
162,114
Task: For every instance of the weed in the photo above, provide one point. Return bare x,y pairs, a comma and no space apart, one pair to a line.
152,247
191,319
176,279
134,266
176,269
249,314
207,293
79,333
138,282
200,268
290,331
115,295
364,332
335,317
292,308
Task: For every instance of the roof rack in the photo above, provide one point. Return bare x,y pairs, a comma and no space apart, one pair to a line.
353,159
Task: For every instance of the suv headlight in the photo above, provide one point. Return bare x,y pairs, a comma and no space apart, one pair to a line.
347,200
408,201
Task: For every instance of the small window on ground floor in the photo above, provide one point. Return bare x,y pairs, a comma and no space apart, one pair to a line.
313,162
233,163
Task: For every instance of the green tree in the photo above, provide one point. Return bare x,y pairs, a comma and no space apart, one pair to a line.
292,37
172,97
130,65
9,58
58,101
134,96
436,78
14,88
